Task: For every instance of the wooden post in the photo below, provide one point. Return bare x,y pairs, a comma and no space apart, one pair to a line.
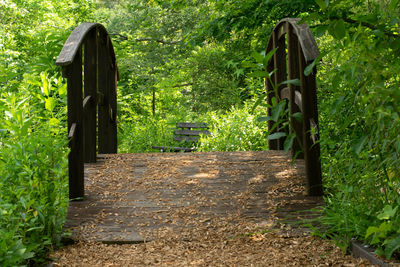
272,144
107,82
280,74
90,103
73,72
103,84
100,79
311,148
302,50
294,73
113,74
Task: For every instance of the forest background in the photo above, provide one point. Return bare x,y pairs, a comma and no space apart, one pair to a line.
197,60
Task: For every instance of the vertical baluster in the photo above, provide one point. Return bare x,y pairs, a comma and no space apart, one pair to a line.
112,95
272,144
108,108
73,72
103,83
311,149
293,69
280,74
90,82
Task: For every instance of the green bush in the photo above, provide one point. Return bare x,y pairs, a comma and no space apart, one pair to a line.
236,130
359,123
141,134
34,192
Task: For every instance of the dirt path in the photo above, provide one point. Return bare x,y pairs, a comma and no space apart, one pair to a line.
196,209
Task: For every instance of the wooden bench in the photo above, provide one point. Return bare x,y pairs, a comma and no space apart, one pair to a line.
188,133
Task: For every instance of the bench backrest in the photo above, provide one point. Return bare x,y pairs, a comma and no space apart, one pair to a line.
190,132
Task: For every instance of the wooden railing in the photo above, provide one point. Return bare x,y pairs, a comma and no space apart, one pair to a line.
296,49
88,62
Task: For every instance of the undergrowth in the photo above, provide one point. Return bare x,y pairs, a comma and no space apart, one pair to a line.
233,130
34,191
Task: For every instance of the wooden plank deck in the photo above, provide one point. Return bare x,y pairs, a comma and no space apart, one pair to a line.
130,197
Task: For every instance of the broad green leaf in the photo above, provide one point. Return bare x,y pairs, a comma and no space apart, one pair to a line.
45,84
27,255
320,30
264,118
257,56
247,64
289,142
336,105
277,110
277,135
392,5
309,68
238,72
259,73
268,57
385,228
392,246
293,81
322,4
54,122
50,104
21,251
387,212
257,103
337,29
360,144
62,90
371,230
298,116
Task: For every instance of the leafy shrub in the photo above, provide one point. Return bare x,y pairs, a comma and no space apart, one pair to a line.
360,118
34,195
143,133
236,130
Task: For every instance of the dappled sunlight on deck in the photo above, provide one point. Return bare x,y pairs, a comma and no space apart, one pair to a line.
131,198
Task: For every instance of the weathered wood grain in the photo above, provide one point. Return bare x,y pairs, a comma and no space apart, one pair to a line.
294,91
131,196
192,132
73,74
74,43
280,75
90,93
186,138
301,51
174,149
107,110
310,112
91,41
191,125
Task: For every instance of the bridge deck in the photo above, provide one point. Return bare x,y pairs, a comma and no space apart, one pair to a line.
132,198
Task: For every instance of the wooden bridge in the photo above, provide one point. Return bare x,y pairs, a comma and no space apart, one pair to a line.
127,198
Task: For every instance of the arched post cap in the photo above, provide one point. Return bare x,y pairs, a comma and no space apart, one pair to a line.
303,34
75,40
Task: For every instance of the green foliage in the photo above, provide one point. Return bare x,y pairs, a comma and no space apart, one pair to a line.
214,85
387,235
359,118
145,132
33,145
235,130
34,189
182,61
